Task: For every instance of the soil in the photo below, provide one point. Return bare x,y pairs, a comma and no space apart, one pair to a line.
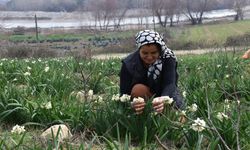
177,52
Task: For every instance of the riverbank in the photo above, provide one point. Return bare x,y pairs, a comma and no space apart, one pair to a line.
76,20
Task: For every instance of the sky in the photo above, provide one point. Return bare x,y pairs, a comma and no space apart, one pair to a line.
3,1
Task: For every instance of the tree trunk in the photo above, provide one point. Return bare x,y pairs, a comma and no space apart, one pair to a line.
171,21
159,18
236,17
120,18
200,18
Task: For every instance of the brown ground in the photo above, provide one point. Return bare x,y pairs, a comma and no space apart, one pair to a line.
177,52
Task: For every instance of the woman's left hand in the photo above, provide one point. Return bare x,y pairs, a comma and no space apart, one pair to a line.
158,105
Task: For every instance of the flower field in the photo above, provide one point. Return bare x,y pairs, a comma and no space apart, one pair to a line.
84,95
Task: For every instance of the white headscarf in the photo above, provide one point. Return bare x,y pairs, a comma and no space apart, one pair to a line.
148,37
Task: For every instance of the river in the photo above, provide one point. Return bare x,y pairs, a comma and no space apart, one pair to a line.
11,19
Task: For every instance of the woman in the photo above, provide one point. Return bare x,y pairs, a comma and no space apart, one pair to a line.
150,71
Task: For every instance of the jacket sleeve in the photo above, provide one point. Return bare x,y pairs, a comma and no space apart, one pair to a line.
125,80
169,85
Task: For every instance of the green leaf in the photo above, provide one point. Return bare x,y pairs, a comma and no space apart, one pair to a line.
213,145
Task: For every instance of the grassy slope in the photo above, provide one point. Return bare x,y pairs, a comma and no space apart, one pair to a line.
214,32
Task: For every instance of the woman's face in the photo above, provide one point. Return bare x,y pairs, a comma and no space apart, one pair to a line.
149,53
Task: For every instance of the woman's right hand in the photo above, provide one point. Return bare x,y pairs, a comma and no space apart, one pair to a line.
138,107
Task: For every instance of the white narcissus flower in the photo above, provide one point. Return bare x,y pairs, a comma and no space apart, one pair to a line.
198,125
157,100
46,69
18,129
138,100
29,68
27,74
238,102
221,116
100,99
183,113
227,76
125,98
80,95
193,108
90,93
184,94
115,97
48,105
167,99
227,106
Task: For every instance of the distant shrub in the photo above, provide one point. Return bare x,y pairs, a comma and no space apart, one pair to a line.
41,52
103,41
19,31
176,44
80,54
22,51
239,40
18,52
126,45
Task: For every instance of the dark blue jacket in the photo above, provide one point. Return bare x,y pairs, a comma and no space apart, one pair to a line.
134,72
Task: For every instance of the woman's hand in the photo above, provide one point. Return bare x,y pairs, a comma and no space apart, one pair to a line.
138,107
158,104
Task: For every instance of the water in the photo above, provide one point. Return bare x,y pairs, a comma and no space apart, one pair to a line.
76,20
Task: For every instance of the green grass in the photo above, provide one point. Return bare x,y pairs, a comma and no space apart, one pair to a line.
208,80
212,33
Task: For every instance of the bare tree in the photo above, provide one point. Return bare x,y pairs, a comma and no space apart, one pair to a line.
165,9
122,8
194,9
238,7
103,11
159,9
174,10
142,12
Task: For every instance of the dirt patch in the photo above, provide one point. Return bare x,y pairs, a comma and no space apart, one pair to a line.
178,52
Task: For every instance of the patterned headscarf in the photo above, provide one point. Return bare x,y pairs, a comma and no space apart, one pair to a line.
148,37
